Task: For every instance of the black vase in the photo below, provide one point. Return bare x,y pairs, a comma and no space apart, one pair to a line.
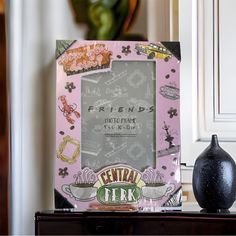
214,178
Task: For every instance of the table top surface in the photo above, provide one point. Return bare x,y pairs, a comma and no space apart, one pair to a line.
72,213
133,223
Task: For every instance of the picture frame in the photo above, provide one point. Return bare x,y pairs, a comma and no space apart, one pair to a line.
118,127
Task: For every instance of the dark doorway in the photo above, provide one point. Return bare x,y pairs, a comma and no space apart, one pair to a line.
3,131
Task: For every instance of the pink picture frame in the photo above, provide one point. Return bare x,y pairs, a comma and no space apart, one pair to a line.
117,126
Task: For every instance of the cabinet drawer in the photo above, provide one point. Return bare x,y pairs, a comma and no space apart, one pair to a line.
84,227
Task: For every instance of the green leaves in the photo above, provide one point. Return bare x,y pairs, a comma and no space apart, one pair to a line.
105,18
101,18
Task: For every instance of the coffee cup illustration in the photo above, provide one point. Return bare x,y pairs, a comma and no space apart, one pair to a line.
81,191
157,190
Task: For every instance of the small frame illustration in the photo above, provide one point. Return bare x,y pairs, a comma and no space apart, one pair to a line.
74,145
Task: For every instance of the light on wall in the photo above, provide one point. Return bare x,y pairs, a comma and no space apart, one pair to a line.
1,6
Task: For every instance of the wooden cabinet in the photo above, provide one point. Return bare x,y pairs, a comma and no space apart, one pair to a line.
113,223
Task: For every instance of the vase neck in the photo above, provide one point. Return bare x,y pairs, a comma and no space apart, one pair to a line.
214,140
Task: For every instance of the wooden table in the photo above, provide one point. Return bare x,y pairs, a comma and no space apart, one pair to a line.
126,223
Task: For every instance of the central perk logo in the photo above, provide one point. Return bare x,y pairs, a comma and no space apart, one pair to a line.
119,185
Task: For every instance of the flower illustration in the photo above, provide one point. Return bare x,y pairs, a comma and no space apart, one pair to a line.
126,50
172,112
63,172
70,86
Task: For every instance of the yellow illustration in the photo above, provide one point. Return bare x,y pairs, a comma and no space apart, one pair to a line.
62,147
85,58
153,51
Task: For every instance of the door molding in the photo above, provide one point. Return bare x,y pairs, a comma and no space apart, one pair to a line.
14,61
201,79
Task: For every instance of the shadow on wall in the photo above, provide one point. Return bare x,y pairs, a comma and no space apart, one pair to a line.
45,88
